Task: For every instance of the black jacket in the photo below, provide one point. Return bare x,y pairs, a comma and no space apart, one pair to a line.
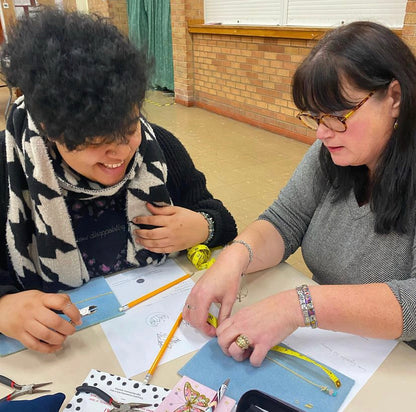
186,186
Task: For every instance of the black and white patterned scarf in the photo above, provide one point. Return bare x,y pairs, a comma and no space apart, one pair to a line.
39,233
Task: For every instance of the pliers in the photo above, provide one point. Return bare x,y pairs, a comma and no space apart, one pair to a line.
118,407
21,389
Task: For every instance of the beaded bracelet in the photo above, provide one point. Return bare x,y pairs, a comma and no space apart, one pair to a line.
247,246
306,305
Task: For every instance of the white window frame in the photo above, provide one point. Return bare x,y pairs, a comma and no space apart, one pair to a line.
304,13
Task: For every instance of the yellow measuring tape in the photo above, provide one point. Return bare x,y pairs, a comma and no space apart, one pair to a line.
200,256
212,320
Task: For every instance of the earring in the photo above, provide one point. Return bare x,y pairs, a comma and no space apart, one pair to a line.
396,124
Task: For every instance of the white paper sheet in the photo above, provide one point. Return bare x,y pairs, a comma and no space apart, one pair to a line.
355,356
137,336
132,284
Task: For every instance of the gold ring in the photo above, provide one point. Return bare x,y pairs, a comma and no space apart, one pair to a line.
242,342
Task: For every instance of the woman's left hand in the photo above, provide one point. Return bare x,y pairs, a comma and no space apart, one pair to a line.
264,324
177,229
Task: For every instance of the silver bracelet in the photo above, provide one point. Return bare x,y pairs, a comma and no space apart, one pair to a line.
248,247
306,306
211,228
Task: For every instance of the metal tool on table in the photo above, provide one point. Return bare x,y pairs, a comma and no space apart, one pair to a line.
20,390
88,310
218,396
118,407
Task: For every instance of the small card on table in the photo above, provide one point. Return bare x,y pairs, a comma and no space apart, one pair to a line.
121,389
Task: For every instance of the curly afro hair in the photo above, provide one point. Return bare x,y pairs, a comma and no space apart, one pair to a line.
80,76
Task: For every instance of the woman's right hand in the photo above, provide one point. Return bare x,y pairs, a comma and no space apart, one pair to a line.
29,317
260,246
219,284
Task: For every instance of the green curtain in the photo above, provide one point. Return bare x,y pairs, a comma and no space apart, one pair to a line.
150,26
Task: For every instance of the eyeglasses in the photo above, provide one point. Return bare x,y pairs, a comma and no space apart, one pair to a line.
335,123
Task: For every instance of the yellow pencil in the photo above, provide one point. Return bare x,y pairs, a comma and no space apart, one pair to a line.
153,293
152,369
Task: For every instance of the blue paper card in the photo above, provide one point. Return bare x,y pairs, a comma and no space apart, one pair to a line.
96,292
210,365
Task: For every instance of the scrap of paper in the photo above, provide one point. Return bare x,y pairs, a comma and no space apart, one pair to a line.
190,395
355,356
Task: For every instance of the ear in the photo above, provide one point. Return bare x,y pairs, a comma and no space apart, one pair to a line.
394,91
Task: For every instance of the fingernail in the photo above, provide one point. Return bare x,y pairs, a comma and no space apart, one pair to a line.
79,323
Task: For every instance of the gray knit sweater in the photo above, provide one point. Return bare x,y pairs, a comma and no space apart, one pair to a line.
338,240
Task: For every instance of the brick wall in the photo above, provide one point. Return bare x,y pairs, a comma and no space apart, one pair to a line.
247,78
49,3
9,15
70,5
409,29
99,7
117,10
181,12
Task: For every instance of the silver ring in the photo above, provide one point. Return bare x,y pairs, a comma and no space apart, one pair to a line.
242,342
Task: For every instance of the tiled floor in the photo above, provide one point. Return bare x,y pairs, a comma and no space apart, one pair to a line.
245,166
4,98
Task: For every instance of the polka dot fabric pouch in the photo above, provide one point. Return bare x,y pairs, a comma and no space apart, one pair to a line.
123,390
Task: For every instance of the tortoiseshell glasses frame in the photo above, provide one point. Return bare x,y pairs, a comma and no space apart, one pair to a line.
331,121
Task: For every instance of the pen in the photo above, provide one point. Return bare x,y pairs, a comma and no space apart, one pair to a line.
153,293
218,396
162,350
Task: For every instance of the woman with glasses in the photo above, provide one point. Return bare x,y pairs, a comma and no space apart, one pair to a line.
350,206
88,186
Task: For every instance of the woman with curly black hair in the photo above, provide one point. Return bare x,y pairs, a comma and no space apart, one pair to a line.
88,187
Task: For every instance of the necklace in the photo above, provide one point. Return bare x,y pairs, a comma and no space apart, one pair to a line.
291,352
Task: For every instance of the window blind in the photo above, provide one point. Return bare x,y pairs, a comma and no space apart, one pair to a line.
327,13
314,13
263,12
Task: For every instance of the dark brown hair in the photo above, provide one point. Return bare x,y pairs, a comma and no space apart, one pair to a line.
369,56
